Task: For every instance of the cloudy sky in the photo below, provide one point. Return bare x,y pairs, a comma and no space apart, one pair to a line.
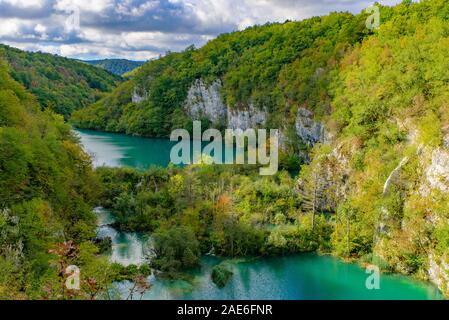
143,29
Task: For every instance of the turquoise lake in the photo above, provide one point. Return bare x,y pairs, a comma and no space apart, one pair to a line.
301,276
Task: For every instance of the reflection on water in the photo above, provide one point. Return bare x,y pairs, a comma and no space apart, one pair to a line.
115,150
297,277
304,276
127,248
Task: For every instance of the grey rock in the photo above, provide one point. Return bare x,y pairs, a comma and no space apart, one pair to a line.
437,173
247,118
310,131
206,102
139,95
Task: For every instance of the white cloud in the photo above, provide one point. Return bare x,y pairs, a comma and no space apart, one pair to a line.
126,8
9,27
40,28
24,4
142,29
96,6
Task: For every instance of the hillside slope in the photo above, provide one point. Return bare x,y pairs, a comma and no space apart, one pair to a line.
47,190
254,69
62,84
116,66
273,71
366,110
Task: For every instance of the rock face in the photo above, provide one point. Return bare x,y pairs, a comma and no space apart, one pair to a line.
310,131
436,177
437,173
205,102
247,118
139,95
439,272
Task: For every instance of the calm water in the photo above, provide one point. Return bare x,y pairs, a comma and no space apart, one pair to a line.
303,276
297,277
116,150
127,248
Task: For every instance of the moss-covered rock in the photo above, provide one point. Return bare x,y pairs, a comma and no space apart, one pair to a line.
221,275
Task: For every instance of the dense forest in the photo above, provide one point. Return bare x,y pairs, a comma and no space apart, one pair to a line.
116,66
47,189
259,65
376,190
275,67
61,84
227,211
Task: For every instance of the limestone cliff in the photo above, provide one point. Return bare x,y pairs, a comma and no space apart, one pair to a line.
204,101
309,130
139,95
247,118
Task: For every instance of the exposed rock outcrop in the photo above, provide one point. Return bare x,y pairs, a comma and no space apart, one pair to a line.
437,173
205,101
250,117
139,95
439,272
436,177
310,131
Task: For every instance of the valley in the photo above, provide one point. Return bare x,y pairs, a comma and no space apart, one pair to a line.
86,177
291,277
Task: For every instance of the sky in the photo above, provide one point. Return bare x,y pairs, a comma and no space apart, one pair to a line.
144,29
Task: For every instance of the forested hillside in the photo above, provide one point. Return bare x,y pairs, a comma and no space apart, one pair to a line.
379,173
61,84
276,68
366,111
47,190
116,66
254,66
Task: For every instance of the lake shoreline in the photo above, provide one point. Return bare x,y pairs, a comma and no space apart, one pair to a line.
189,278
202,282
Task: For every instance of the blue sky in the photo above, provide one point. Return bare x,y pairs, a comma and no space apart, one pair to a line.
143,29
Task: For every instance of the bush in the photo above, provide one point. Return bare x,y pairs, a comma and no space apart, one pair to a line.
175,249
221,275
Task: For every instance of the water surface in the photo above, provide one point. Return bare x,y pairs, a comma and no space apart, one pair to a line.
118,150
127,247
296,277
302,276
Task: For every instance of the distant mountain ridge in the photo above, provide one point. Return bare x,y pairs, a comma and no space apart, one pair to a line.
59,83
116,66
